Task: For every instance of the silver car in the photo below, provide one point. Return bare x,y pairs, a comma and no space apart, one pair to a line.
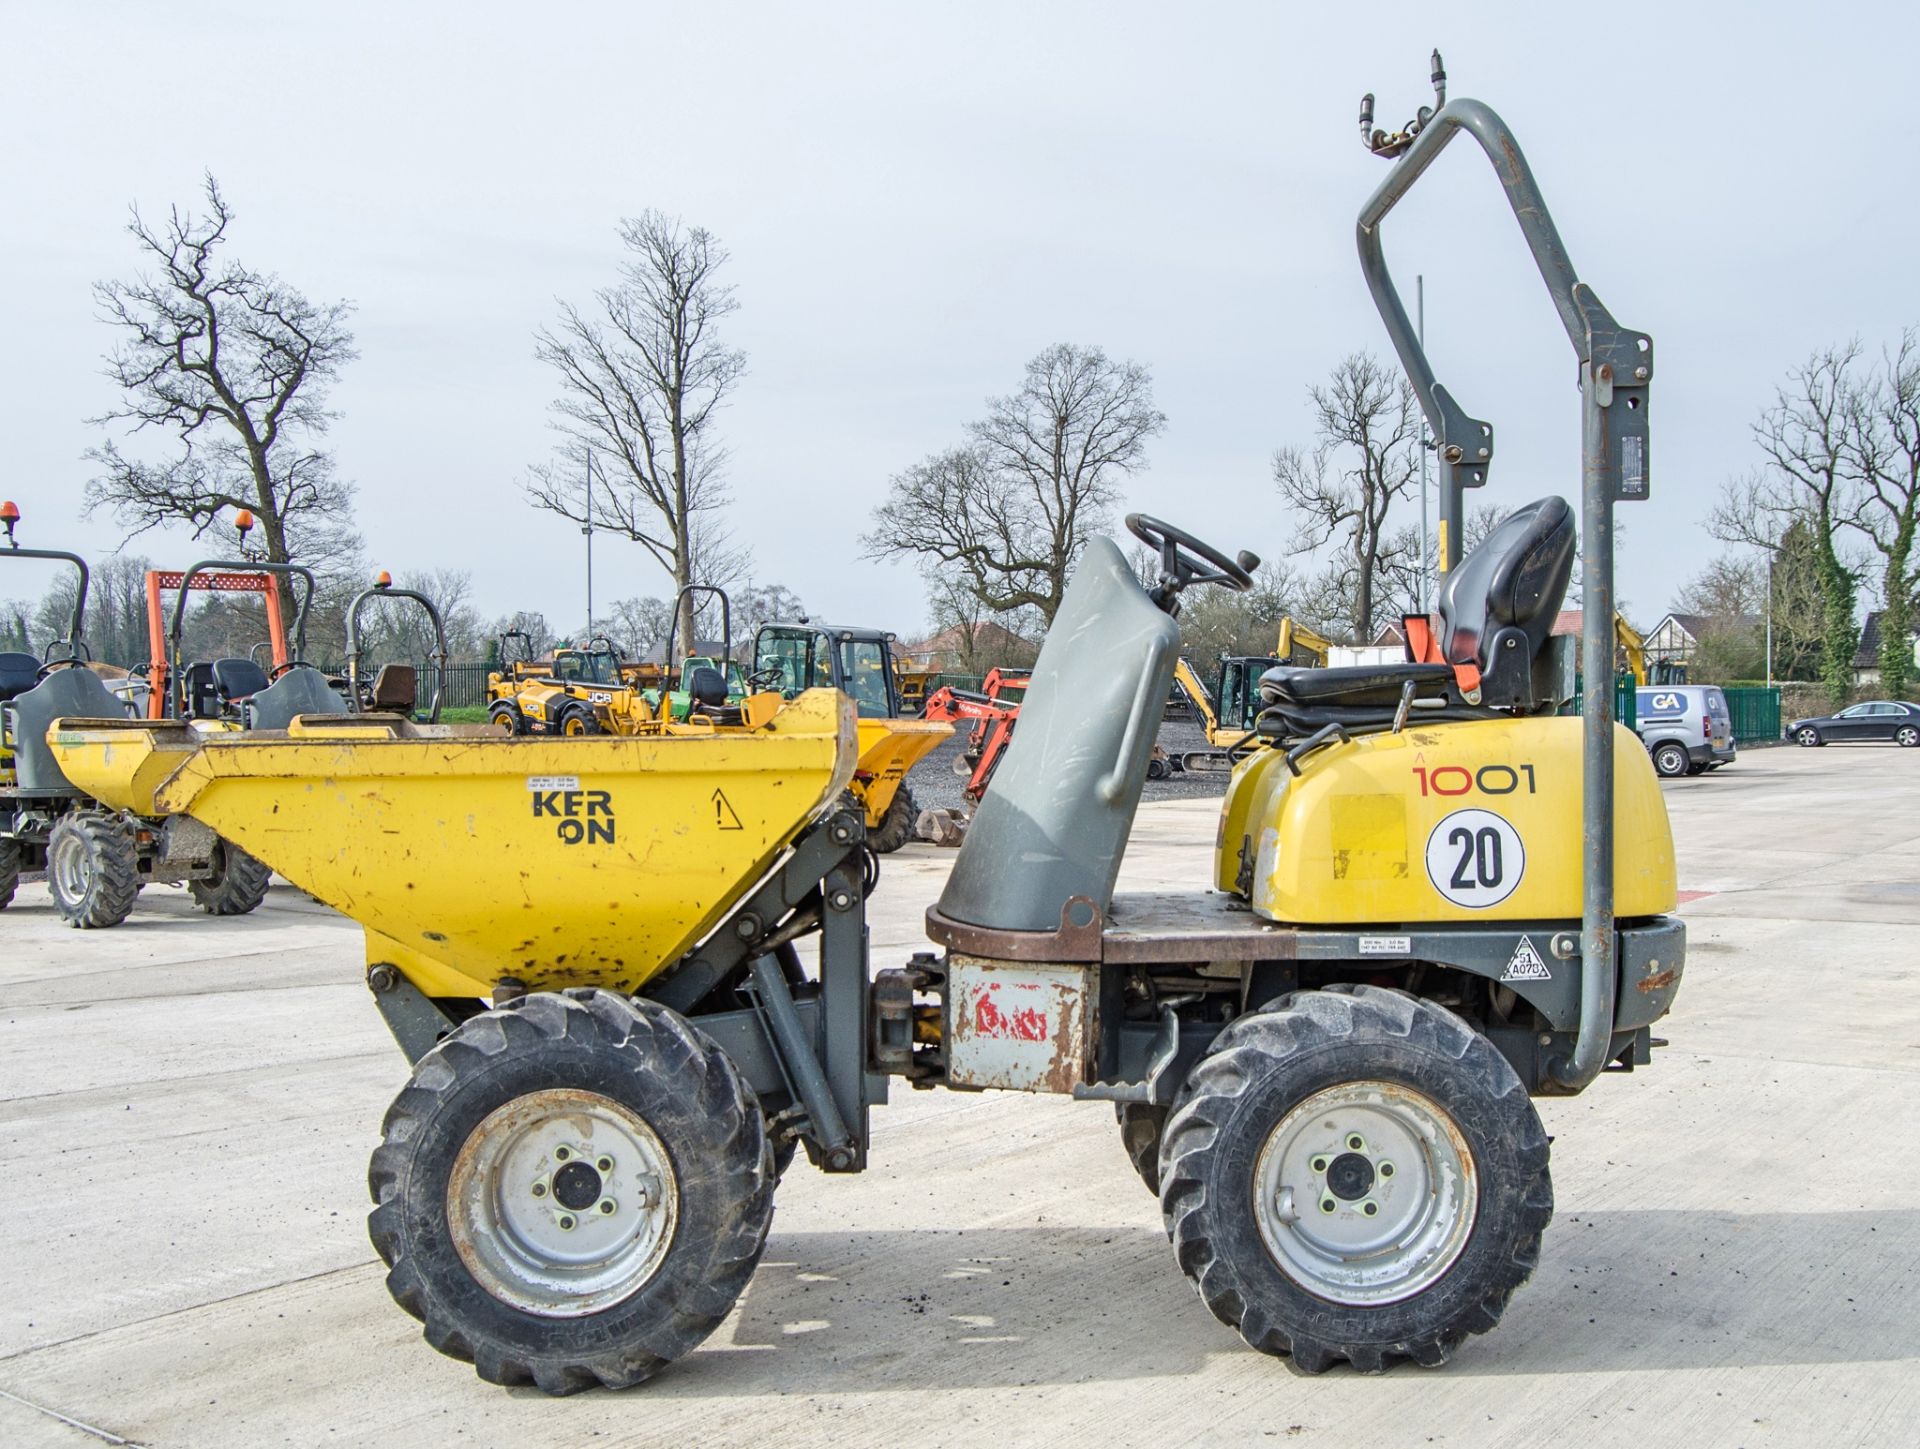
1685,727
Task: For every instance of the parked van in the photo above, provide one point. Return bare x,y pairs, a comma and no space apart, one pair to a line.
1685,727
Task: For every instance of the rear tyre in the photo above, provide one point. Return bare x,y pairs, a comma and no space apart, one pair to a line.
896,826
1141,1127
1808,736
1671,761
509,717
238,883
1355,1174
9,872
1907,736
572,1190
93,869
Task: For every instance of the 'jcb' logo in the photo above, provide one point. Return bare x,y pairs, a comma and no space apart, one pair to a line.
583,814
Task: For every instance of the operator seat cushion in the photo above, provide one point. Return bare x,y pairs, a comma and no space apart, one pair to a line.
238,679
707,686
1495,614
18,674
396,689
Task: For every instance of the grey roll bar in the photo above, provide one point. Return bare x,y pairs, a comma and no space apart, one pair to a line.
1616,366
726,622
76,627
355,650
176,676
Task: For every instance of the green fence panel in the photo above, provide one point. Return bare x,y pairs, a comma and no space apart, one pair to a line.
1755,712
1624,711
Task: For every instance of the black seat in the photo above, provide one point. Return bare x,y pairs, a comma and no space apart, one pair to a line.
707,696
237,679
18,674
1495,614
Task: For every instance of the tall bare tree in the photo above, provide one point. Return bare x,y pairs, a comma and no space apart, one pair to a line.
643,373
1365,457
1803,434
1006,514
1883,447
234,365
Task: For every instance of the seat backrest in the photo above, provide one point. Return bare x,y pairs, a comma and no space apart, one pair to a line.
396,689
238,679
707,686
18,674
203,698
301,690
75,693
1498,606
1054,824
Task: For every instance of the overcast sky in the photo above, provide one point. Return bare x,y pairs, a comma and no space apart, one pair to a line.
917,199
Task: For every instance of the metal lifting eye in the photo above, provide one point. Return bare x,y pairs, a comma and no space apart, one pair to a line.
1391,145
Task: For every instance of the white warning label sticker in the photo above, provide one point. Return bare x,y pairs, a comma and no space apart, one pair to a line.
553,782
1386,945
1526,963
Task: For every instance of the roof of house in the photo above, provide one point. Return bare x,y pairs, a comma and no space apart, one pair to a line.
1867,656
950,640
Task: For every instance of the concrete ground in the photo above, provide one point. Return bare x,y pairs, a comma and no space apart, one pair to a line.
186,1107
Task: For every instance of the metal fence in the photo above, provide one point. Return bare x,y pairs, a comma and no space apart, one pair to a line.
1755,711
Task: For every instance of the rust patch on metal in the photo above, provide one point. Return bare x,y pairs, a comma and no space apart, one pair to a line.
1652,984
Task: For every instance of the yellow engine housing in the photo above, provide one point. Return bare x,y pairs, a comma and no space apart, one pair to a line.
1473,821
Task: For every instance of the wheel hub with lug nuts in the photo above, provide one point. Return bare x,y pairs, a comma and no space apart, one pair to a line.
1365,1193
562,1202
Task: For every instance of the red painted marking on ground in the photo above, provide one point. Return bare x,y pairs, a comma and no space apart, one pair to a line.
1685,896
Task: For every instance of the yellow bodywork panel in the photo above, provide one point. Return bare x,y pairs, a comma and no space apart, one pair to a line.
888,749
1478,820
470,856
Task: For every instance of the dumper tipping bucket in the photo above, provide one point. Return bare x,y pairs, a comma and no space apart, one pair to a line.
470,857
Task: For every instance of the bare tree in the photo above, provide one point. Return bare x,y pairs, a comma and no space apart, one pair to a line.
401,631
1883,449
1803,434
235,365
1365,458
1006,514
643,374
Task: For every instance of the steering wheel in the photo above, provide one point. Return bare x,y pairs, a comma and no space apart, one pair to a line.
762,680
62,663
280,669
1182,557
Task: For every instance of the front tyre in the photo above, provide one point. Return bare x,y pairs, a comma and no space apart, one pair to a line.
1671,761
572,1190
1355,1174
896,826
1808,737
238,883
93,868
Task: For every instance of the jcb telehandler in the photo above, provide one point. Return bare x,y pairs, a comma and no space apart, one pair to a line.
1431,898
566,695
792,658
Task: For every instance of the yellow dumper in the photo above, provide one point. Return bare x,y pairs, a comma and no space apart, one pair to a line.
1431,899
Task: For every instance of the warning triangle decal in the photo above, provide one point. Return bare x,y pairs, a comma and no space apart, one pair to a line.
1525,964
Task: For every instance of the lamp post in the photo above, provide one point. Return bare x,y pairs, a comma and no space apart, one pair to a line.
587,529
1426,565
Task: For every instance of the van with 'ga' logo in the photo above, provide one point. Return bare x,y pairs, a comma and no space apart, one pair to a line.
1687,728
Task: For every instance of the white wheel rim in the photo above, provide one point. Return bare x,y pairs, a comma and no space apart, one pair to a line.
70,866
1365,1193
562,1203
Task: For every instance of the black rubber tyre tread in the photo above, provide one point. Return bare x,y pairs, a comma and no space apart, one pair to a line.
114,881
1270,1059
569,714
9,872
896,826
1141,1127
1667,752
509,713
1907,737
238,889
635,1052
